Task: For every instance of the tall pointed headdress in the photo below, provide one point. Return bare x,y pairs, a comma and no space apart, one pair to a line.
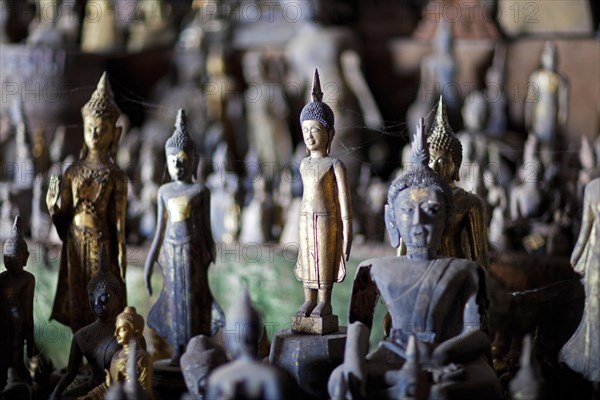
181,139
102,103
420,174
441,137
316,110
15,244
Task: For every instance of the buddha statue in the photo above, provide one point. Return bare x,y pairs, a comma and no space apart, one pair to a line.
16,305
429,296
88,207
325,233
465,235
128,332
580,353
184,248
546,103
95,342
246,377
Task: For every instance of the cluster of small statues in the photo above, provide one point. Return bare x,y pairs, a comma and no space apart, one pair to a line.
451,212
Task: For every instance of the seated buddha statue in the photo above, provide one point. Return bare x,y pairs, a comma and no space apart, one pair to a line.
429,297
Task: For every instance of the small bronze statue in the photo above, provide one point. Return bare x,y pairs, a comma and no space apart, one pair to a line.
96,342
88,210
183,246
128,331
580,353
325,216
428,296
16,305
466,232
246,377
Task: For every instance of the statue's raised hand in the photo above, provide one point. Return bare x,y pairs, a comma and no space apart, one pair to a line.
53,193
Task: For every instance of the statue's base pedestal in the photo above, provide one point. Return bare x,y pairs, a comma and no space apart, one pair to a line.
309,359
315,326
167,380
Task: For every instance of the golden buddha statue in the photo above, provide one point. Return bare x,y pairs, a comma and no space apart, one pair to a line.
87,207
325,213
466,230
128,331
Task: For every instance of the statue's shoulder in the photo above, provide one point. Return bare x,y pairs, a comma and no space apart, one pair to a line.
464,199
463,266
338,165
381,265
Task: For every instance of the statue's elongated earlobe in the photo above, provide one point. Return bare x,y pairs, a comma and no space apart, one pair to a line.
391,226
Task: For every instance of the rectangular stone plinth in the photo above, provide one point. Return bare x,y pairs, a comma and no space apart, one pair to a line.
315,326
309,359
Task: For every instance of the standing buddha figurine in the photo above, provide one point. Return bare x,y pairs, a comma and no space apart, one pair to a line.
88,209
16,305
580,353
325,215
546,104
183,246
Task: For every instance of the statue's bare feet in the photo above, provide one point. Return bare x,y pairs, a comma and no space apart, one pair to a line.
322,310
306,308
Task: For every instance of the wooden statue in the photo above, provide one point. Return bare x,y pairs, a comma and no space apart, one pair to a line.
325,213
16,305
580,353
428,296
183,246
95,342
88,209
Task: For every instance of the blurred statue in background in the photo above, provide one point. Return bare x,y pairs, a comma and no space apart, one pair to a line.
546,103
580,353
183,246
325,215
198,362
88,210
438,75
16,305
246,377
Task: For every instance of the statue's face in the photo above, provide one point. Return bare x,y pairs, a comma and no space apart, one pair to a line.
98,133
102,302
441,162
420,217
123,332
315,135
179,165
